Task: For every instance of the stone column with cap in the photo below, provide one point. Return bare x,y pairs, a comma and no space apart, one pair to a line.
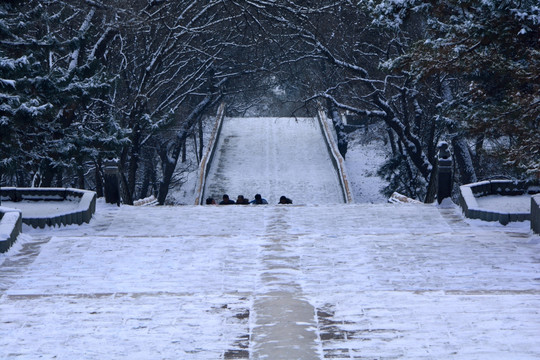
112,185
444,182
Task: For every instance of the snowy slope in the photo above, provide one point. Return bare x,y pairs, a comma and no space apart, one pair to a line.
273,157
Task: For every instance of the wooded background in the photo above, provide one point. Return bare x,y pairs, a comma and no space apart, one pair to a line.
84,81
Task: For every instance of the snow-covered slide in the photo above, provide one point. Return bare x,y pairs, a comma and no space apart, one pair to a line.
274,157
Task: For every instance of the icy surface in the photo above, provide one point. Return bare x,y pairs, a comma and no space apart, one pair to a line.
382,282
273,157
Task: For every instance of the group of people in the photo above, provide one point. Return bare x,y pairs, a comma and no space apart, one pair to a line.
241,200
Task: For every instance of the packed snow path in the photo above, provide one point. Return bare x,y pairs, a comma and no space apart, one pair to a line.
272,282
273,157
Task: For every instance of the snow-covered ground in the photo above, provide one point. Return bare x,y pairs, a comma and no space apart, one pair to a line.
201,282
510,204
30,208
362,161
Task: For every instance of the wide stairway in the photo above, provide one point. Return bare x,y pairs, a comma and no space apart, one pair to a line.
271,282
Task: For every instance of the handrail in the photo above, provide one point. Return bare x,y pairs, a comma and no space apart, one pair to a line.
337,159
209,155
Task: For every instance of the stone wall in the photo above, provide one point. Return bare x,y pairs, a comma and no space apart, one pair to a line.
469,193
84,212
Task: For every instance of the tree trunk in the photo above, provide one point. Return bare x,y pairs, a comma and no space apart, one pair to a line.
80,176
184,151
462,156
195,148
340,130
21,178
392,141
47,175
126,195
146,180
201,138
410,141
133,164
169,163
59,179
431,192
99,179
154,181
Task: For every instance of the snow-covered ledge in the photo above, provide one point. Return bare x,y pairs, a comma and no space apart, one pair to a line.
335,156
206,161
535,214
10,227
470,192
83,212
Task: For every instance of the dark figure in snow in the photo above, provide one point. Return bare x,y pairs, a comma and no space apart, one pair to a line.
226,200
210,201
241,200
259,200
285,200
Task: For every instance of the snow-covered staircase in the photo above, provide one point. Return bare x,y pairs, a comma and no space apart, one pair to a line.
256,282
274,157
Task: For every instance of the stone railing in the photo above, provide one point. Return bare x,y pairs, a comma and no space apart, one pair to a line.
10,227
469,193
82,213
337,160
206,161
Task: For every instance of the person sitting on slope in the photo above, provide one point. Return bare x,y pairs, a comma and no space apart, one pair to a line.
226,200
258,200
241,200
285,200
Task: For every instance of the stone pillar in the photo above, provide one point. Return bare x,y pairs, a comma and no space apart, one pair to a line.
535,214
112,185
444,173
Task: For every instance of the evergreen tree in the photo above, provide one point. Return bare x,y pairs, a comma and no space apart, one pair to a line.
22,138
489,52
52,78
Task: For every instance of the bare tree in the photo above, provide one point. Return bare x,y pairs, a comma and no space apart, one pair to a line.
348,62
